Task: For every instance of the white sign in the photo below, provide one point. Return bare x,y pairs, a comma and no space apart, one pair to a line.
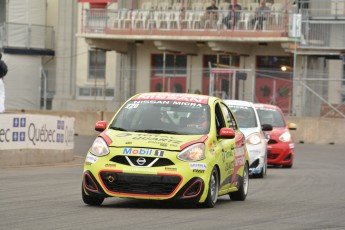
29,131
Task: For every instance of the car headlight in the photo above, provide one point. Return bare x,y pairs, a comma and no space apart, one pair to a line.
285,137
254,139
99,147
194,152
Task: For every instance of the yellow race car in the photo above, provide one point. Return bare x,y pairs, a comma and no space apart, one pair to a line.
165,146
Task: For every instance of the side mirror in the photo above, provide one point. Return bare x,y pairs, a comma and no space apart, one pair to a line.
227,133
101,126
292,126
266,127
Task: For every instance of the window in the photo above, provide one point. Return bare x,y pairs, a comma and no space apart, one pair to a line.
97,60
174,64
170,76
95,92
229,117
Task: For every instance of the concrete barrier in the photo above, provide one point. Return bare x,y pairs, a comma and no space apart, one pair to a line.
316,130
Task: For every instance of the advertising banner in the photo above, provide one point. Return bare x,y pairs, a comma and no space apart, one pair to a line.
28,131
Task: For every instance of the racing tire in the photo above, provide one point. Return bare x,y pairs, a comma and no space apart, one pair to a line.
213,189
242,192
91,200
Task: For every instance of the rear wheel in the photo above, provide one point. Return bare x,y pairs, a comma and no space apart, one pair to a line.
242,192
91,200
213,188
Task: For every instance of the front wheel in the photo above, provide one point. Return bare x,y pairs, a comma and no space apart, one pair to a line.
242,192
213,188
91,200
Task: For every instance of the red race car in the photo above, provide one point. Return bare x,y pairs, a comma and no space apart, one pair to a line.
281,145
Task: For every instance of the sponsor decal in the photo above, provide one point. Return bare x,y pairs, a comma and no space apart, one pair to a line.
254,151
239,152
173,97
91,159
170,169
159,153
110,165
239,161
131,106
134,151
141,169
157,139
200,166
123,135
198,171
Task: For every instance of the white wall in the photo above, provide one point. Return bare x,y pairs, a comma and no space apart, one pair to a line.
22,82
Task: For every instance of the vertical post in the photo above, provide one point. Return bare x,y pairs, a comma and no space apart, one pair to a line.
164,63
294,68
211,81
233,85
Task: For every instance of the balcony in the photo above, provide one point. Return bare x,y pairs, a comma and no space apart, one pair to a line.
177,25
21,38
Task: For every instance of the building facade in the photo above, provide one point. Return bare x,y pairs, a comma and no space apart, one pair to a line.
290,54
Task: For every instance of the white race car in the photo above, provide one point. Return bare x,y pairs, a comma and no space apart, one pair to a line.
250,125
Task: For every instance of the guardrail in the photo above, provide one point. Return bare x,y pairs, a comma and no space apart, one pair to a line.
29,36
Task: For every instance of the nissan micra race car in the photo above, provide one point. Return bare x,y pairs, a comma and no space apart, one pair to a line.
249,123
281,146
163,146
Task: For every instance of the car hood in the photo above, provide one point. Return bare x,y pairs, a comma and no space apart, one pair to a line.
247,131
277,131
147,140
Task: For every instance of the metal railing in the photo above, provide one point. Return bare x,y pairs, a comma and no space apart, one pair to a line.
27,36
321,9
111,21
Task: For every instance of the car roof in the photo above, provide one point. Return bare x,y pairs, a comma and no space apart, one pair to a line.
266,106
183,97
239,103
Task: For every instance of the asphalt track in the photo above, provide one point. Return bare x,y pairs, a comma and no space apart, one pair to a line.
311,195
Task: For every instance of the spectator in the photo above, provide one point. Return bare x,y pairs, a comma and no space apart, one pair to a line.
261,15
3,72
212,7
211,15
234,15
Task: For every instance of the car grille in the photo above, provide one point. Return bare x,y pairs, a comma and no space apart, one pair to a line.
140,184
272,156
271,141
149,161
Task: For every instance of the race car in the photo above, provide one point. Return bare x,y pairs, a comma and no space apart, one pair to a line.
168,146
281,145
249,123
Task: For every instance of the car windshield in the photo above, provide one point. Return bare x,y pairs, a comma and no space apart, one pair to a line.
155,116
245,116
271,116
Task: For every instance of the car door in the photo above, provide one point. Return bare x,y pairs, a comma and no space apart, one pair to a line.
238,148
226,149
